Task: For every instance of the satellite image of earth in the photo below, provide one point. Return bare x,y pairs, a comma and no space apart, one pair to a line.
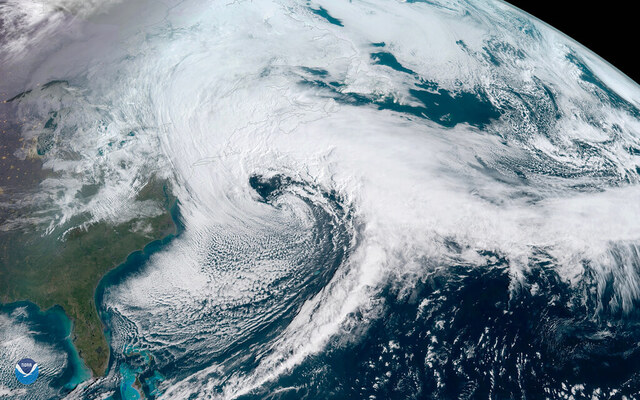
324,199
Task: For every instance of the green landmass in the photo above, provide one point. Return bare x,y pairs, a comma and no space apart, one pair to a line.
65,270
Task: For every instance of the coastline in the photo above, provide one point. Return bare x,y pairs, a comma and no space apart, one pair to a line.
133,264
54,328
60,325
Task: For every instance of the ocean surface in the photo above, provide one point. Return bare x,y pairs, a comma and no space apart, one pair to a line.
380,200
45,336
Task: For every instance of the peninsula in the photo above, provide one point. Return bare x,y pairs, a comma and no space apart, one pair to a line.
65,271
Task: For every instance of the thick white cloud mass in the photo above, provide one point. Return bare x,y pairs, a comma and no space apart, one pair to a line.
208,94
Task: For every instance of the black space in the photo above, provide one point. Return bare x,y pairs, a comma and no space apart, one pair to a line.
610,28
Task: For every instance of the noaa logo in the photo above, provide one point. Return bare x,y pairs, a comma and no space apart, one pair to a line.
26,371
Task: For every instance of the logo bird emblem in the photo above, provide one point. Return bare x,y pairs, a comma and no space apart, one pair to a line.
25,374
27,371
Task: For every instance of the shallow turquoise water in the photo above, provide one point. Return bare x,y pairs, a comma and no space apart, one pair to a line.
52,329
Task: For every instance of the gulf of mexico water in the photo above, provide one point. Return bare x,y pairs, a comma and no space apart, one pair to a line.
44,336
487,244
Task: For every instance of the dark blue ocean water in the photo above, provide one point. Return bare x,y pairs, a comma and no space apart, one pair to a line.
462,333
133,363
52,330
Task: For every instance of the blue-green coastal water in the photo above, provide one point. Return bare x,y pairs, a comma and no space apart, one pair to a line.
127,360
46,338
381,200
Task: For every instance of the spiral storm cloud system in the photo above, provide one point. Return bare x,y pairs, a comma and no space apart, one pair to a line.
284,199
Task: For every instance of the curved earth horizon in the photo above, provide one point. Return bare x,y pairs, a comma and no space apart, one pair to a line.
326,199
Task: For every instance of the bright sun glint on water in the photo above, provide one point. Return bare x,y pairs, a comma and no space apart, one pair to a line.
284,199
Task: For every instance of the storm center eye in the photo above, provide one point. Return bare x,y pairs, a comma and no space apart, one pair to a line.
313,200
268,187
